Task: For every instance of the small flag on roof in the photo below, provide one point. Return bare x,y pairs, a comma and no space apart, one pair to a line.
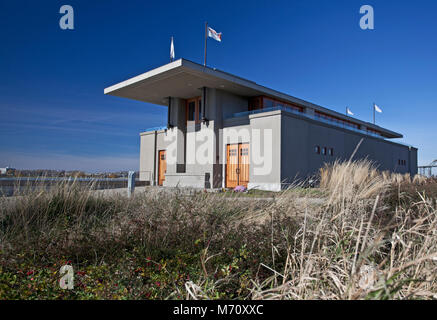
377,109
214,34
349,112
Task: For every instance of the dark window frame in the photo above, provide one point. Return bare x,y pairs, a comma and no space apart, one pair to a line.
324,151
197,110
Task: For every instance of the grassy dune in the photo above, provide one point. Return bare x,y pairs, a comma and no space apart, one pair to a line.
373,237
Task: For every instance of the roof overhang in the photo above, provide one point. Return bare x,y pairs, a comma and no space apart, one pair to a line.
184,79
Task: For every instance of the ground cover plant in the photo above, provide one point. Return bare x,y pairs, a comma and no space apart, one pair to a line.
369,235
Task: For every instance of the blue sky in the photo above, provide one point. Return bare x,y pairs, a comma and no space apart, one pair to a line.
53,113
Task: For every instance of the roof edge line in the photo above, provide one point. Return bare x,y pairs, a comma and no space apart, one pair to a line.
169,66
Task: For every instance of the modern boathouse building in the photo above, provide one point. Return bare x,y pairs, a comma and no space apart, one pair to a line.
224,131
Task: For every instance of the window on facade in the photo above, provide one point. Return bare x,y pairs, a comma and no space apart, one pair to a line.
200,109
324,151
317,149
268,103
331,152
374,132
337,121
265,103
194,109
191,111
255,103
402,162
273,103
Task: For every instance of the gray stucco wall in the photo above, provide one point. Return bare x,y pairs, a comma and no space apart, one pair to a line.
263,133
192,138
149,154
287,138
266,151
230,103
300,137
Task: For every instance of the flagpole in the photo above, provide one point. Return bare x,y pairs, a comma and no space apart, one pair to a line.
374,122
206,38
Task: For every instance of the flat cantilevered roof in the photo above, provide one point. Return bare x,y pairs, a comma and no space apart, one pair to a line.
183,79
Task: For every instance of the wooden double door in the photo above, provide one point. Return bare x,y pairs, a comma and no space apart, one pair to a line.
237,165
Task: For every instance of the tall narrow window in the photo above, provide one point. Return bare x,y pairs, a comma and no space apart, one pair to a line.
317,149
191,111
324,151
255,103
200,110
194,109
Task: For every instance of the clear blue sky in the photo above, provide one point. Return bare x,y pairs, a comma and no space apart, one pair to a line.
53,113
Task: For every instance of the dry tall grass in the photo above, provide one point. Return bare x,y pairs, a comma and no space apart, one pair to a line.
352,181
373,237
358,245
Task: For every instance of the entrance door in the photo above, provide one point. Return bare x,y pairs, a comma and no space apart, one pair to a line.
232,166
237,165
243,167
162,167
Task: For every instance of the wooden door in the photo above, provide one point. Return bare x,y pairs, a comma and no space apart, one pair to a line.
237,165
243,164
162,167
232,166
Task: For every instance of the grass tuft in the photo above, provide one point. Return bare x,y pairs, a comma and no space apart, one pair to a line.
369,235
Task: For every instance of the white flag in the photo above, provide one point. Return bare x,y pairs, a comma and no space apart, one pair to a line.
377,109
171,50
214,34
349,112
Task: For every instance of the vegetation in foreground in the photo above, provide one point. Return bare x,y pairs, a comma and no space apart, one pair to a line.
374,237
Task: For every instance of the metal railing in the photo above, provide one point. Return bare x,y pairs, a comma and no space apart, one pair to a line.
315,117
312,117
247,113
155,129
428,170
